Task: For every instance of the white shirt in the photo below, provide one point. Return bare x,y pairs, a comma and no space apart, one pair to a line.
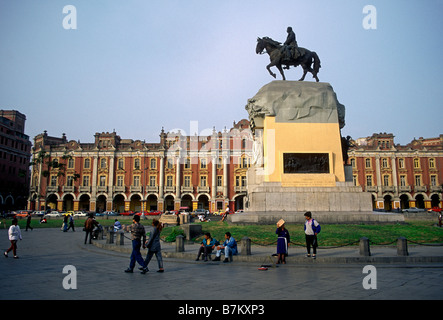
308,224
14,233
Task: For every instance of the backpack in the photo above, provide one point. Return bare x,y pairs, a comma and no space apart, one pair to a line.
316,229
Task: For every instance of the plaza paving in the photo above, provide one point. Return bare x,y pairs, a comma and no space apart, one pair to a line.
38,273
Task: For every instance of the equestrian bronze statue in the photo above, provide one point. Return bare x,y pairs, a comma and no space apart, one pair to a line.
289,55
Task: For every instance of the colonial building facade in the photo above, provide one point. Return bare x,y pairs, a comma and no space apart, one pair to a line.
207,172
15,154
399,176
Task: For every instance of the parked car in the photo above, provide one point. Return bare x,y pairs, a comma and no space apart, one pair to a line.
141,213
22,214
53,214
38,213
154,213
127,213
435,209
80,214
414,209
111,213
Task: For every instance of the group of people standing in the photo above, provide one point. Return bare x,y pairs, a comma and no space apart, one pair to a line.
311,229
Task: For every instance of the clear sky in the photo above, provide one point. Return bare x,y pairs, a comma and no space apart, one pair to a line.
135,66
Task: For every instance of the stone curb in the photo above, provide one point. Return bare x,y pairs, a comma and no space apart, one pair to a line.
266,259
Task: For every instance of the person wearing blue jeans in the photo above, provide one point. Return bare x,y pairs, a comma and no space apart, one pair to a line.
229,247
138,238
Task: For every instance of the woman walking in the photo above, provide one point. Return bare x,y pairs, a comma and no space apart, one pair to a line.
282,241
153,245
14,234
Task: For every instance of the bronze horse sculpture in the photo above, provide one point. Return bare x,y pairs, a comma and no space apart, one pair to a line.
306,58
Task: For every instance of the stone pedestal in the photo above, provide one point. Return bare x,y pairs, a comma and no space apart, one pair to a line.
298,155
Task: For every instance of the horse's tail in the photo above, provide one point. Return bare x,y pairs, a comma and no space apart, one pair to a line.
317,65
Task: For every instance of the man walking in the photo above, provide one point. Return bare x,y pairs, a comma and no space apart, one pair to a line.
138,238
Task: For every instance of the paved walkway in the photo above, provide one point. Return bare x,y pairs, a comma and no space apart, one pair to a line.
44,253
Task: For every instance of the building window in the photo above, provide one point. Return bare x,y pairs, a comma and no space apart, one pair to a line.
418,180
203,181
220,163
102,180
369,181
433,180
87,163
69,181
170,164
169,181
153,164
401,163
53,181
136,181
353,163
432,163
403,181
384,163
245,162
203,163
386,180
103,163
85,181
188,163
243,181
120,181
71,163
152,180
219,181
137,164
187,181
120,164
416,163
367,162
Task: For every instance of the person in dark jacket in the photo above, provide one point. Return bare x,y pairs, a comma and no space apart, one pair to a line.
153,245
282,241
90,223
138,238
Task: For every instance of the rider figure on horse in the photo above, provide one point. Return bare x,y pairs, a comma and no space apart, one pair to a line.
289,49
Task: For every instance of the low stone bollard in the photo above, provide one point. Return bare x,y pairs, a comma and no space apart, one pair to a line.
192,230
110,237
245,246
180,243
402,246
364,247
120,239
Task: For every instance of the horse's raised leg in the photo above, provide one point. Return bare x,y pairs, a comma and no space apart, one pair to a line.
269,69
280,68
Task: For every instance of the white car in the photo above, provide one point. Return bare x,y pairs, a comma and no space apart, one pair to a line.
53,214
79,214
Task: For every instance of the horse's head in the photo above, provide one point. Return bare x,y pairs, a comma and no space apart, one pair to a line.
260,46
264,42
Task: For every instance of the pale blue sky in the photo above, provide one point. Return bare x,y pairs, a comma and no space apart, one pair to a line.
135,66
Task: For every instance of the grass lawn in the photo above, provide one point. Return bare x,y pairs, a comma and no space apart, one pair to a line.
418,231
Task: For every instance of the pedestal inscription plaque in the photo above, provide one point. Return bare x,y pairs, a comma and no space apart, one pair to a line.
305,163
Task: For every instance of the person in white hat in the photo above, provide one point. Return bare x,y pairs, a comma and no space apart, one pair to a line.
282,241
